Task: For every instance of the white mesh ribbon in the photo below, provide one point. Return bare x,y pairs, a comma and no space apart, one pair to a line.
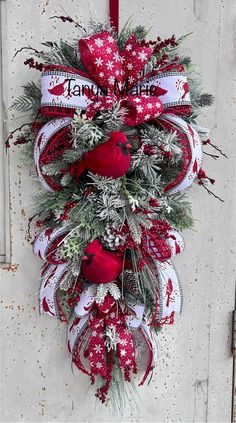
48,293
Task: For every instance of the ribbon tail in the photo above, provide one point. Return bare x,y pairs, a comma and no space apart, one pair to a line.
96,347
51,141
170,292
176,242
78,329
48,294
47,242
145,332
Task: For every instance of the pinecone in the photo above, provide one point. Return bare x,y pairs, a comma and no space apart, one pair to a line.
112,239
131,284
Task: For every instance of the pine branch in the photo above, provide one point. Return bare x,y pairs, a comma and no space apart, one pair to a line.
66,180
30,100
179,212
139,31
62,53
135,228
52,168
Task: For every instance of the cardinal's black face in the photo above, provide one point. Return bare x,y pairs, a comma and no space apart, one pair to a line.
125,147
88,258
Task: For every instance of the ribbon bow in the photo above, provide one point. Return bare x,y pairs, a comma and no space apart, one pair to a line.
114,76
106,329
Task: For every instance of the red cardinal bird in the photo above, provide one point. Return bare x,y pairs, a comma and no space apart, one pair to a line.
100,265
186,90
45,307
58,89
169,290
110,159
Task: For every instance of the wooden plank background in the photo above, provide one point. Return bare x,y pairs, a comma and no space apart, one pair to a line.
193,380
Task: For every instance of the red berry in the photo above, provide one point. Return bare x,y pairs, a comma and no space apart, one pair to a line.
78,288
70,302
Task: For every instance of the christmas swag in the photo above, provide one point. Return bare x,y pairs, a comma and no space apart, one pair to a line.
115,144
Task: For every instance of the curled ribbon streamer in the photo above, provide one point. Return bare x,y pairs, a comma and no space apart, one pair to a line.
137,322
169,297
48,293
46,244
152,348
55,131
191,148
78,329
45,247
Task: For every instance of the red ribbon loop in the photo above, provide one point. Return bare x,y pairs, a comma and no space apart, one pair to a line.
134,57
141,108
100,56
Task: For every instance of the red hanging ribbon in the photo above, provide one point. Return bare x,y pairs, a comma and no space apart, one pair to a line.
114,14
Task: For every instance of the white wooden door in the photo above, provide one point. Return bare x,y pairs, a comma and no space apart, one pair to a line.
193,380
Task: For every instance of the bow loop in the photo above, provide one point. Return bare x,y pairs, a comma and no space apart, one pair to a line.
141,109
134,57
100,56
